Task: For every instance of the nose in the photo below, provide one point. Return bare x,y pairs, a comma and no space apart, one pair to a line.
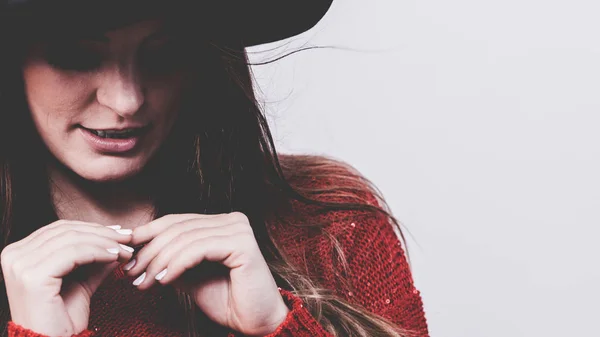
121,90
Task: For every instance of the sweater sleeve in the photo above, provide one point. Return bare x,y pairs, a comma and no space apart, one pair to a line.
15,330
299,322
379,276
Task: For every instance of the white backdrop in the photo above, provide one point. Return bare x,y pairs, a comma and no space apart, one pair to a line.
479,122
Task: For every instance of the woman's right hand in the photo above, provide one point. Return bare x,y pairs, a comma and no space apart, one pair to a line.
51,275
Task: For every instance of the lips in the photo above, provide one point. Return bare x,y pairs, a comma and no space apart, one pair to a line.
113,140
117,134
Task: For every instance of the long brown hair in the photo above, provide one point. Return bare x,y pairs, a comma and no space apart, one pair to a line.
219,158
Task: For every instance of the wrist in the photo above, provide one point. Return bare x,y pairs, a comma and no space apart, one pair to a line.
279,316
281,313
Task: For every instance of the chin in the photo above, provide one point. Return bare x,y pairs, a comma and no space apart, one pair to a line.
109,170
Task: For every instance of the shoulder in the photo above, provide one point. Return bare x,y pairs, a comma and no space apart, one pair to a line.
328,179
349,208
353,246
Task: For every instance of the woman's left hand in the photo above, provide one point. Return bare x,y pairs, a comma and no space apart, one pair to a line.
245,298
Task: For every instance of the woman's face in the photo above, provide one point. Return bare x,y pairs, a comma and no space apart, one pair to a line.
104,104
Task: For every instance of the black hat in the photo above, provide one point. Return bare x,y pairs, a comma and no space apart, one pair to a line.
253,21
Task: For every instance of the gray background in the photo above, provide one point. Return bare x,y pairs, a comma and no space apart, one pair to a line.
479,122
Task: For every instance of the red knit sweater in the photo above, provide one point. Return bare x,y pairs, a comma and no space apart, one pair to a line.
380,281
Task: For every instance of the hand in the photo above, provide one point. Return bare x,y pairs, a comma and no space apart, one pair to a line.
244,297
51,275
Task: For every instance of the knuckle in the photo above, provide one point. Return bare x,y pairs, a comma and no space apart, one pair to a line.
29,278
95,254
17,268
72,234
176,240
156,265
243,227
175,264
6,255
239,217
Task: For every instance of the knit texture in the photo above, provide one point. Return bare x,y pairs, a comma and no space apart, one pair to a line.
18,331
299,321
379,274
378,270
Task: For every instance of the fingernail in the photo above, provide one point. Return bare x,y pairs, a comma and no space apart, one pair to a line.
125,231
160,275
127,248
114,227
139,280
113,250
129,265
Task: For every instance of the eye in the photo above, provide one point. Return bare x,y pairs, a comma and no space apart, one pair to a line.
73,56
162,56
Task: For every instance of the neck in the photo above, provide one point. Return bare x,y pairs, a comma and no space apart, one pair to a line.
125,203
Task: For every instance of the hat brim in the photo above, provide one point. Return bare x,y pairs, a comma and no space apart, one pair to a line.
253,22
274,20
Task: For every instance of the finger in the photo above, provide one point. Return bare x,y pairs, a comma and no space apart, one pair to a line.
60,242
218,249
149,231
154,263
17,250
177,236
53,226
62,262
74,229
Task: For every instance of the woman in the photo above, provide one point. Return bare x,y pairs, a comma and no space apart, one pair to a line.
141,194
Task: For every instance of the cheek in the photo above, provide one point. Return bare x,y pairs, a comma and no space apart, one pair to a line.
165,96
52,95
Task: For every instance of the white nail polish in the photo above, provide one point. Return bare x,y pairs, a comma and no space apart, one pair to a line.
139,280
160,275
113,250
129,265
124,231
127,248
114,227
